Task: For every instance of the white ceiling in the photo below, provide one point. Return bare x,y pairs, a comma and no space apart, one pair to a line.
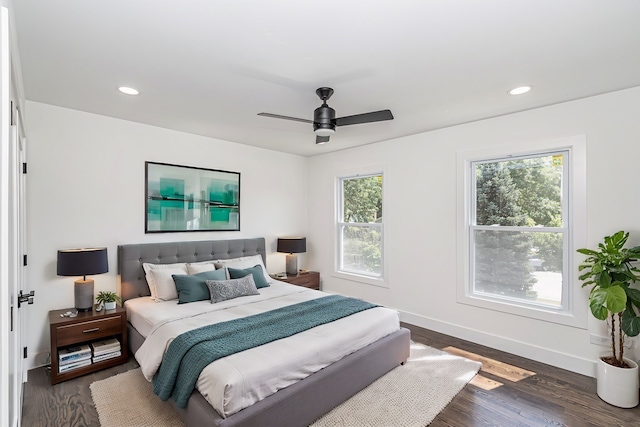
208,67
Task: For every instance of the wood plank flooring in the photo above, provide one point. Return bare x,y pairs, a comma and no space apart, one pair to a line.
549,397
67,404
511,392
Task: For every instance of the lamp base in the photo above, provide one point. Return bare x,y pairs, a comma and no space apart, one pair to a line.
292,264
83,293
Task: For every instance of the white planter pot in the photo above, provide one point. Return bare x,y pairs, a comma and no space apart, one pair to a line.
110,305
618,386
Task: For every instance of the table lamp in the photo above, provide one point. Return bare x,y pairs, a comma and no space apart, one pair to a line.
292,246
81,262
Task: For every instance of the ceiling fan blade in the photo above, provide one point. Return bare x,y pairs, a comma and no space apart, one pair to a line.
321,139
278,116
375,116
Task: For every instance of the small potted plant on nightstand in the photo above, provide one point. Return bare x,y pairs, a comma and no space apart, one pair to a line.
108,299
611,272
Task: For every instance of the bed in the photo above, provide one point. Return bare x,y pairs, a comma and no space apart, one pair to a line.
298,404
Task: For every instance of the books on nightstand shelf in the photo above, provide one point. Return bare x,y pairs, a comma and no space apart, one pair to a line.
106,349
74,357
74,365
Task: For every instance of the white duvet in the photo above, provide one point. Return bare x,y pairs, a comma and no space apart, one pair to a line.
242,379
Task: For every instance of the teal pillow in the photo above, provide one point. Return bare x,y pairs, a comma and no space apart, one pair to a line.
194,288
256,271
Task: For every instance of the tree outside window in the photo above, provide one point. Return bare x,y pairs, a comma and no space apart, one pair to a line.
360,225
517,228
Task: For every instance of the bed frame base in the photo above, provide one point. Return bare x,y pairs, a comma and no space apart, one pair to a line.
305,401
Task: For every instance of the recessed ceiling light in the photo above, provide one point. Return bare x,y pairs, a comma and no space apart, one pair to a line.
520,90
128,90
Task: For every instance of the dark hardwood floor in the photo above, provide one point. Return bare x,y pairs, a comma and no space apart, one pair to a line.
510,391
551,397
67,404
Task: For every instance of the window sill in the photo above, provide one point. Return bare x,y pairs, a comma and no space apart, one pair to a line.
353,277
534,312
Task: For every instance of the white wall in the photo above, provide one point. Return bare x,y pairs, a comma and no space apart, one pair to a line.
85,187
422,218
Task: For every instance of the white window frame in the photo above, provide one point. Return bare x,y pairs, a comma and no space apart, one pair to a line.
574,299
338,272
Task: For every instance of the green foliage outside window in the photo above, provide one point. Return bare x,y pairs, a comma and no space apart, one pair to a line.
363,199
362,204
519,193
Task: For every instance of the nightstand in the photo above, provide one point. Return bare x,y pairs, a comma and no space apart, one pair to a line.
308,280
85,328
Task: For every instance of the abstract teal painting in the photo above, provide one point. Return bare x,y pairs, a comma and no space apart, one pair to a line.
188,198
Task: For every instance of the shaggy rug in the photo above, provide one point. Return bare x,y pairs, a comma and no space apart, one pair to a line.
408,396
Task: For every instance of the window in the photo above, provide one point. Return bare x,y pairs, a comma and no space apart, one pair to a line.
360,226
519,232
517,228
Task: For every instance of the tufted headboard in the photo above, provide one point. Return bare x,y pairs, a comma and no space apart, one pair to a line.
131,257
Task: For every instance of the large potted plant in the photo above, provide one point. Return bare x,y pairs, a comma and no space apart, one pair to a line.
610,271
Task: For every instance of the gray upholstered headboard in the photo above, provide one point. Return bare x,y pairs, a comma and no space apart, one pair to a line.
131,257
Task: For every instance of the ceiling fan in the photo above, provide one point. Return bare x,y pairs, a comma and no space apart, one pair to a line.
325,121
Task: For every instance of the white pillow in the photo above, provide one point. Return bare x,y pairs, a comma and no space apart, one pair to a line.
200,267
245,262
209,261
148,267
165,286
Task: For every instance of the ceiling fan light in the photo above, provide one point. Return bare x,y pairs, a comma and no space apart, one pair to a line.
324,131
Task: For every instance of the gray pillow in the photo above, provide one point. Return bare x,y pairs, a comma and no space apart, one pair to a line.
222,290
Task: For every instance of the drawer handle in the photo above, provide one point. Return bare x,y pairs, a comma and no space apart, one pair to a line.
90,330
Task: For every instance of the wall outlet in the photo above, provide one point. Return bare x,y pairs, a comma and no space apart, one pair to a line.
606,341
598,340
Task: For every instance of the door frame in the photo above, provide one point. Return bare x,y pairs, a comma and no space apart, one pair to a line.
12,228
18,277
7,304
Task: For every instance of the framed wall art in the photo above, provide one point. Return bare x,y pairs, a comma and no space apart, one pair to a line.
186,198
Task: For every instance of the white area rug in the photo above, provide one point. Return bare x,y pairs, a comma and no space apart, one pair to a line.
127,400
409,396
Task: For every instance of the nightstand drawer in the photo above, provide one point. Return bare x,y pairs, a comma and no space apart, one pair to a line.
309,280
89,330
306,282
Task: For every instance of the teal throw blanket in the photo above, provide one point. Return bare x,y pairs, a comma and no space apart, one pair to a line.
192,351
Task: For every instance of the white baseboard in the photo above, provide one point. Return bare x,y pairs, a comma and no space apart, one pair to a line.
35,361
519,348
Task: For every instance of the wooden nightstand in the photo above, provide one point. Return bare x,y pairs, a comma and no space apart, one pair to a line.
83,329
308,280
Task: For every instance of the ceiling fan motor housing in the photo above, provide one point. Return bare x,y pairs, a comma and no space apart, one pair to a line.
324,120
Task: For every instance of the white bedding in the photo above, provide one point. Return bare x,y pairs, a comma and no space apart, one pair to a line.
240,380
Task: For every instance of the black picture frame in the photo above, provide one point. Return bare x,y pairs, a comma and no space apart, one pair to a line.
182,199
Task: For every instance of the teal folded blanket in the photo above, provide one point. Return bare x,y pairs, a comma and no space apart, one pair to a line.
192,351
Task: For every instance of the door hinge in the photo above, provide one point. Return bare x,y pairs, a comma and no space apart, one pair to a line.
24,353
11,328
24,167
12,120
24,260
